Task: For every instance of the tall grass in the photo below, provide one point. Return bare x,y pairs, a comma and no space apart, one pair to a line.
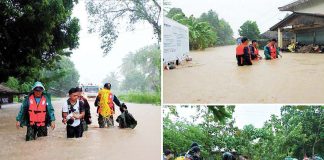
139,97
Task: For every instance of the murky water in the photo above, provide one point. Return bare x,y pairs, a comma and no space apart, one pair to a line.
144,142
213,77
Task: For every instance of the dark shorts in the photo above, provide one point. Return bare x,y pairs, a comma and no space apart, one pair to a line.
74,132
103,121
35,131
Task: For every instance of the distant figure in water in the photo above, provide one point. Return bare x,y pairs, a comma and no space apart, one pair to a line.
254,50
243,54
271,51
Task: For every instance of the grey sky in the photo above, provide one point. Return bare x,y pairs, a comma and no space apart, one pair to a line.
236,12
245,114
255,114
88,58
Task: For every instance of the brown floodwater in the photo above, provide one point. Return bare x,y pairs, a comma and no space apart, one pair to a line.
143,142
214,77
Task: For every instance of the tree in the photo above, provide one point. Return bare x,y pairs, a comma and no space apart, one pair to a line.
225,33
206,31
298,131
201,34
62,78
15,84
35,34
210,133
56,80
142,70
175,11
112,78
309,120
250,30
106,15
220,26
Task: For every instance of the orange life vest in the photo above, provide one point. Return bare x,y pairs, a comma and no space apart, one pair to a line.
256,51
109,102
37,112
273,52
240,49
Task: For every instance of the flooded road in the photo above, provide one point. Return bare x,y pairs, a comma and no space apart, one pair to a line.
143,142
214,77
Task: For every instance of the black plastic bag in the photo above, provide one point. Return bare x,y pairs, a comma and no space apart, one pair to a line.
126,120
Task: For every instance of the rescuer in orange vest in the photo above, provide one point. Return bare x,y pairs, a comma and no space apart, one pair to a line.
271,51
106,107
36,112
254,50
243,54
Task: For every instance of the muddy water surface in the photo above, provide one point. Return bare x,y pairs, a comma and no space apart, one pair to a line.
214,77
144,142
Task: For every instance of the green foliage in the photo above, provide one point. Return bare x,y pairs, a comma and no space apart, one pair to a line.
33,35
142,70
250,30
60,78
220,113
180,133
220,26
175,11
57,80
15,84
201,34
297,132
105,18
112,78
206,31
140,97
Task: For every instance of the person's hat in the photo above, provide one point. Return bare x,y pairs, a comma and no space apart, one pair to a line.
107,85
38,86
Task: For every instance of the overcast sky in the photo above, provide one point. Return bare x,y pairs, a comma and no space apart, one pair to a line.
245,114
236,12
88,58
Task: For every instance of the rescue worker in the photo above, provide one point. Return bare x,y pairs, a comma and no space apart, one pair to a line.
106,107
193,153
254,50
270,50
243,54
73,113
36,112
87,114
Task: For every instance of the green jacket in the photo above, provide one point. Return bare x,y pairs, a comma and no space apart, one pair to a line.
23,115
267,53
